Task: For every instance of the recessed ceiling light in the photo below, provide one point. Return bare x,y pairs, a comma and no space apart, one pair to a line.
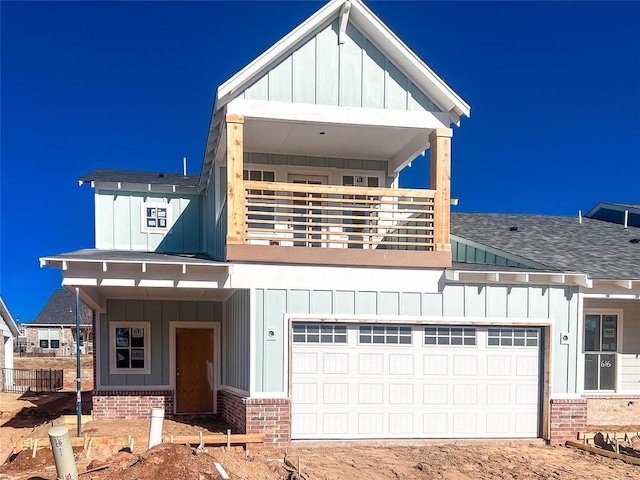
321,133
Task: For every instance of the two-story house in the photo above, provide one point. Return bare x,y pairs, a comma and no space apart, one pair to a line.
293,288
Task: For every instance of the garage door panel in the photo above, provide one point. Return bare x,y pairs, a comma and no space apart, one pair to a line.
465,394
435,394
305,362
499,394
527,366
498,365
465,365
401,364
365,389
335,363
435,364
401,423
305,393
335,423
335,393
371,363
401,394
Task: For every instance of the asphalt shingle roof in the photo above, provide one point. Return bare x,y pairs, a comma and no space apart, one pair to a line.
61,310
134,176
603,250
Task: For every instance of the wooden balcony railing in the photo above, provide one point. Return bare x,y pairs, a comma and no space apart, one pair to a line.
331,216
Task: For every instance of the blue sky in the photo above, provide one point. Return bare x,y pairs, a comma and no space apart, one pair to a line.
554,89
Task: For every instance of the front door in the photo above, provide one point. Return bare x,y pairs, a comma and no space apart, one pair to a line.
195,378
307,209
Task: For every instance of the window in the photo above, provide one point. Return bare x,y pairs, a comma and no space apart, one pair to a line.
513,337
449,336
48,338
360,181
600,347
130,347
319,333
156,217
260,199
385,334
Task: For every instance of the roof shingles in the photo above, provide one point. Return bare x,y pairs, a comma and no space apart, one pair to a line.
600,249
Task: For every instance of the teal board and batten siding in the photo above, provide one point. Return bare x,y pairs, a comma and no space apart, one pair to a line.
235,341
490,301
158,313
462,251
214,226
119,222
354,74
630,348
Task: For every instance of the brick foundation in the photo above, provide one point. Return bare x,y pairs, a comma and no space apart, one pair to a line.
126,404
568,417
269,416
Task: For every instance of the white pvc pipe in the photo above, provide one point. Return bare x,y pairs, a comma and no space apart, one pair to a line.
63,453
155,430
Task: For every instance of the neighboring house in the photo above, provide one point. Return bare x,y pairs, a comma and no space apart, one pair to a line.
53,332
9,331
295,290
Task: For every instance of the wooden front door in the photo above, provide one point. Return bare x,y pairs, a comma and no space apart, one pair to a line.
195,377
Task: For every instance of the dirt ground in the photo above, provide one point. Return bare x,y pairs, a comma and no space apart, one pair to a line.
24,416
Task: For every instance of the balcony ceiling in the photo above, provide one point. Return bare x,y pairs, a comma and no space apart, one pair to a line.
330,140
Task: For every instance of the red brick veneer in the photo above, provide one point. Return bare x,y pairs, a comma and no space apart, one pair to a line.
269,416
128,404
568,417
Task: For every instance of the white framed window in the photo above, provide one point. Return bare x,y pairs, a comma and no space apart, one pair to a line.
513,337
155,217
130,347
449,336
319,333
360,181
600,351
48,338
385,334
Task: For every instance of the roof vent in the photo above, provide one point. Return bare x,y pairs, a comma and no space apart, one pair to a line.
513,229
161,175
634,240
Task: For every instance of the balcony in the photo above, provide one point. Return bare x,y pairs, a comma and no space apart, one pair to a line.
331,224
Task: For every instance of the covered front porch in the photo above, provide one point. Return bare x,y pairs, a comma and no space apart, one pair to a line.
609,359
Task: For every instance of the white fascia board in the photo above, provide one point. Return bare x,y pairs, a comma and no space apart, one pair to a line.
146,187
245,76
323,277
99,262
503,276
335,115
412,65
8,318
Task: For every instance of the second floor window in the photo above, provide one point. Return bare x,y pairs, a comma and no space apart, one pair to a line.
156,217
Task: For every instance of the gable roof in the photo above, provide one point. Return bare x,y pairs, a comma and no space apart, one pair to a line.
60,309
616,213
7,319
376,30
602,250
145,178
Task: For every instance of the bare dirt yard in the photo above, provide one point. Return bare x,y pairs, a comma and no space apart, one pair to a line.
24,416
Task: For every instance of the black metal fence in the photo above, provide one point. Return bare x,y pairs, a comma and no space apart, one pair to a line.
20,380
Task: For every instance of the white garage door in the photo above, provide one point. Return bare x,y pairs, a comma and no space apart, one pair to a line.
420,381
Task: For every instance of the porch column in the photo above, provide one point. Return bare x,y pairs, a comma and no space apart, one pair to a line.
440,181
235,183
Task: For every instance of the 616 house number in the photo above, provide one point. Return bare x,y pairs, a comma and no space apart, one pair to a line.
605,363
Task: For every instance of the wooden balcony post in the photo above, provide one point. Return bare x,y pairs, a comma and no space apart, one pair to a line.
235,183
440,181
